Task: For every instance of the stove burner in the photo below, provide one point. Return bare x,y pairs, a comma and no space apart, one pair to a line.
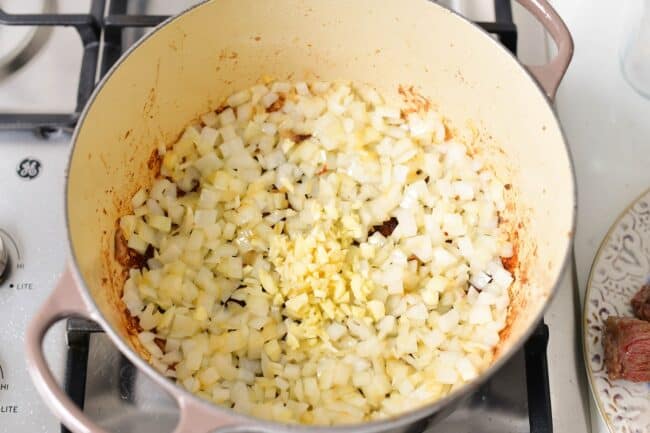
18,45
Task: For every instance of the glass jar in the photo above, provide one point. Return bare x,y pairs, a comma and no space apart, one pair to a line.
635,57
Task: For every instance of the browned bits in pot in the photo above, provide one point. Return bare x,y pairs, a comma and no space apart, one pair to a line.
414,101
415,258
448,133
154,162
277,105
132,324
122,251
235,301
299,138
222,108
127,257
160,343
386,228
511,263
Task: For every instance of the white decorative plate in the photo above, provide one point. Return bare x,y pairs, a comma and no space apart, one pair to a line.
621,267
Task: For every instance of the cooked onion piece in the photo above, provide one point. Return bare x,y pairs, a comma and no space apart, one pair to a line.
320,257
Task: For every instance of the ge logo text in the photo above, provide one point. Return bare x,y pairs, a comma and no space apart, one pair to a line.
29,168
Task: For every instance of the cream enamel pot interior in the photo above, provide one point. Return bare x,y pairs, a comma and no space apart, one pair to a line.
191,62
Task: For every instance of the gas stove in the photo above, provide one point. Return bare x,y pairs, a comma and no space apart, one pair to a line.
37,113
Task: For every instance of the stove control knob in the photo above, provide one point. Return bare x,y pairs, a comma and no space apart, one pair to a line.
4,259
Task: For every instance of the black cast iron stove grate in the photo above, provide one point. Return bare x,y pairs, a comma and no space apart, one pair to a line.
100,31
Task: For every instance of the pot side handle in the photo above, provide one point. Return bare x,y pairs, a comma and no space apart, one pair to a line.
64,302
550,75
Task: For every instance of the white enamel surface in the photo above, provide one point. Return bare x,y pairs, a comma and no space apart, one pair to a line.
607,128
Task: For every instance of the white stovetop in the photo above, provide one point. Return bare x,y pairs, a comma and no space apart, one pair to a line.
606,123
607,126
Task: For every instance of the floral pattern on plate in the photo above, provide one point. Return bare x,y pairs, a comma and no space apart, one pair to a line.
621,267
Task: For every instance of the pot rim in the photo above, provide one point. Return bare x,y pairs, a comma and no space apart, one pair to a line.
253,423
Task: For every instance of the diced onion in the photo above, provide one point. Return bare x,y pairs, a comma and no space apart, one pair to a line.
320,256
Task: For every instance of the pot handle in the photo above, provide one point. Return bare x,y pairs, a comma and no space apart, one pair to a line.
66,301
550,75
